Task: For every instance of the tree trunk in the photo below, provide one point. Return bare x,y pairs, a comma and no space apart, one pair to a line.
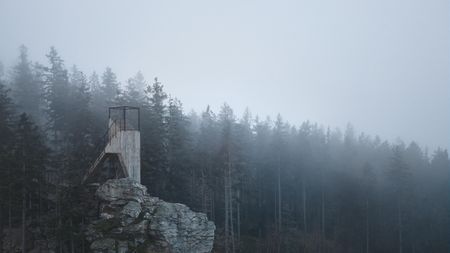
400,229
275,209
40,204
83,250
230,205
305,225
367,225
238,207
72,243
323,214
192,188
9,213
203,191
1,228
24,207
279,205
58,216
279,201
226,210
233,247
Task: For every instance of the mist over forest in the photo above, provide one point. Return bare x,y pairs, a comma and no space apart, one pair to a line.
268,186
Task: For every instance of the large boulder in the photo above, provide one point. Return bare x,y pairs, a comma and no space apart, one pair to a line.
132,221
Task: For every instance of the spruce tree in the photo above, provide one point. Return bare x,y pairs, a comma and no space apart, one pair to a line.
57,96
26,89
399,175
178,160
154,139
204,180
279,145
7,175
98,106
134,90
110,88
80,127
30,155
227,162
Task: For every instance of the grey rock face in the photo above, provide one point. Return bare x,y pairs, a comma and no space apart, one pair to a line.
132,221
121,191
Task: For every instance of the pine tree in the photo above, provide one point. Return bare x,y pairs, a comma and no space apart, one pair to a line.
227,157
178,160
399,175
439,194
60,102
2,70
368,184
110,88
98,106
279,142
264,176
30,155
7,175
205,172
154,139
244,175
134,90
80,127
6,116
26,90
57,97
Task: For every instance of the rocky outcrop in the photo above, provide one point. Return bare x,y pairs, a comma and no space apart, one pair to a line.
132,221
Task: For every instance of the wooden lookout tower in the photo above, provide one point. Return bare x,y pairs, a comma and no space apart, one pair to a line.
119,153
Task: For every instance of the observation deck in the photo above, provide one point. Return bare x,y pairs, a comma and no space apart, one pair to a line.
120,146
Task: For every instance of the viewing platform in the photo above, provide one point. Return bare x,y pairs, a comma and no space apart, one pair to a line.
120,150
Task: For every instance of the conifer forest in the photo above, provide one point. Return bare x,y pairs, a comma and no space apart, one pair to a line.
268,185
199,126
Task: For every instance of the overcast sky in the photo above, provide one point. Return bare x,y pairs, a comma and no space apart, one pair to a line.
383,65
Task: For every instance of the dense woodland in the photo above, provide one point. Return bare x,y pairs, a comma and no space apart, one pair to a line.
269,186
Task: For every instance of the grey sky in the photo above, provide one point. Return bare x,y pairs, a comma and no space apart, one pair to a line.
383,65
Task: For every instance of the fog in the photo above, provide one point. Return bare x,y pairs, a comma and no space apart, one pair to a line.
339,150
381,65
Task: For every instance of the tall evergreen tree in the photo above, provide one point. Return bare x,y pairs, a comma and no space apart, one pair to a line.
279,144
57,97
98,105
2,70
30,155
7,175
110,88
368,184
134,90
178,159
227,162
6,116
205,171
80,126
399,175
26,89
154,129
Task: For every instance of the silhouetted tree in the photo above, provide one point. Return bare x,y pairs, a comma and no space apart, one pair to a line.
26,89
154,129
30,156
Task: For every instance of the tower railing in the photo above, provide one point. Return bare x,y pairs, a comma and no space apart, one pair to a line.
106,138
123,115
